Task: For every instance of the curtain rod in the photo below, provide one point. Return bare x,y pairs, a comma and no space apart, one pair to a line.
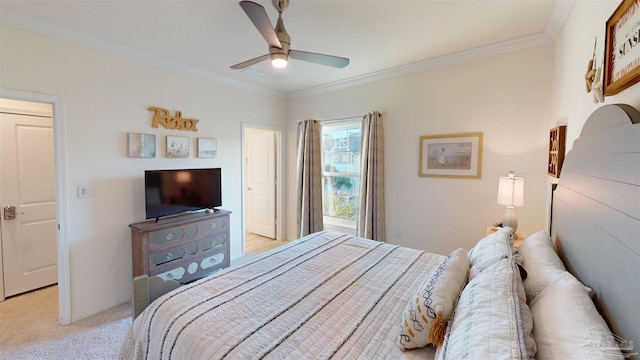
339,119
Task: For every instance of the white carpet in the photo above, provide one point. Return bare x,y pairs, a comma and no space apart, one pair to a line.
29,329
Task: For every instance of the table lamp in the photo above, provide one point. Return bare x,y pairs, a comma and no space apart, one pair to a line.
510,193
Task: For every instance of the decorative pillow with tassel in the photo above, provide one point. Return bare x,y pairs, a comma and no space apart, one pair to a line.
425,319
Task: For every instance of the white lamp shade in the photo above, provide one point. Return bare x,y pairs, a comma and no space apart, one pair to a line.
511,191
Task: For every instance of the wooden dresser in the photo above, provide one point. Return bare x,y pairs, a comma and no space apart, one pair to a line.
182,248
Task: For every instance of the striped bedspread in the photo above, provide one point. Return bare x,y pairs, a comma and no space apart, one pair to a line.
326,295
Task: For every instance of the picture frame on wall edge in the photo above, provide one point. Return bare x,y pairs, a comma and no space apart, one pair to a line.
622,48
451,156
207,148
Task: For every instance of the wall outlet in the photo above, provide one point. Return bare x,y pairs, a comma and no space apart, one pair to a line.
86,191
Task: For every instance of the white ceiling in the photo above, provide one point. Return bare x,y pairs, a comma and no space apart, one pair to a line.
381,38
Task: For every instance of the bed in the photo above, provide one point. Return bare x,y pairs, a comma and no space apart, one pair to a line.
331,295
299,288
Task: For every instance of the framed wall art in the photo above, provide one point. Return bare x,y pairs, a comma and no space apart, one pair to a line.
141,145
452,156
177,147
622,48
556,150
207,148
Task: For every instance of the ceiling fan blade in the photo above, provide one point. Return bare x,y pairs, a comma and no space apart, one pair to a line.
322,59
260,19
248,63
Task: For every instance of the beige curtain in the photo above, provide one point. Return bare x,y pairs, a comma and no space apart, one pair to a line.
371,212
309,172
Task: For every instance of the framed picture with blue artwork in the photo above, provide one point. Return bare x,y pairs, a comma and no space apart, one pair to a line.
141,145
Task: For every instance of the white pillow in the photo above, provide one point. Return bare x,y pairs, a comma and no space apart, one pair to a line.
424,321
480,266
493,246
490,249
491,320
567,324
542,263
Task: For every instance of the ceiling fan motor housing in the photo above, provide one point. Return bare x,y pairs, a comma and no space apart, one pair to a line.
280,5
283,36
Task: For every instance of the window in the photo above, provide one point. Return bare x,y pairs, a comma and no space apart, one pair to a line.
341,174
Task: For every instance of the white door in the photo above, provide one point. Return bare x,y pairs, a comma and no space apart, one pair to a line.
261,183
27,184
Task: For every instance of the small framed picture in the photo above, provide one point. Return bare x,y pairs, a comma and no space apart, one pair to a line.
207,148
142,145
556,150
177,147
453,156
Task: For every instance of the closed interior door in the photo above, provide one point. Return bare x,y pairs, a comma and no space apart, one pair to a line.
27,184
261,183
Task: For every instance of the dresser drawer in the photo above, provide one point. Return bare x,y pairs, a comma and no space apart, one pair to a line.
194,268
166,256
184,252
186,233
173,274
213,262
216,242
212,226
175,235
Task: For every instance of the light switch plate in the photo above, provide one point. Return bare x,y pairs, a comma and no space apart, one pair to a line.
86,191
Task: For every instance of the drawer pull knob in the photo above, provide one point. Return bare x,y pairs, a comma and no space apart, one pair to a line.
212,225
169,276
169,236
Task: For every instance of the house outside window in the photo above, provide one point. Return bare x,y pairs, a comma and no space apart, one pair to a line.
341,174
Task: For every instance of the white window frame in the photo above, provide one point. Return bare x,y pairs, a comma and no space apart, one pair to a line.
332,223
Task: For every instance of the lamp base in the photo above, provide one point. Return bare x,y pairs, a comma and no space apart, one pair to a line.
509,218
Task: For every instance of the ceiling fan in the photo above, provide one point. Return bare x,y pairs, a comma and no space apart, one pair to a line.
279,41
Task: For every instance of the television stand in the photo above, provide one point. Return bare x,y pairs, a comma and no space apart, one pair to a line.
182,248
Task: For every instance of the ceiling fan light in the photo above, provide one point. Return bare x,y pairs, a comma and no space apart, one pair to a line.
279,61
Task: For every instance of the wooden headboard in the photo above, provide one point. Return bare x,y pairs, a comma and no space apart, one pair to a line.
596,215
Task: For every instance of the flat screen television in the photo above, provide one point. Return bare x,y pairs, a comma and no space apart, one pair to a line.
171,192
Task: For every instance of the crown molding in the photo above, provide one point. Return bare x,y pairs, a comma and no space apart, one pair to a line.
24,22
433,63
558,17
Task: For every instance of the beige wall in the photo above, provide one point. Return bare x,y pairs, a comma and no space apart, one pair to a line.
514,99
506,97
571,105
105,97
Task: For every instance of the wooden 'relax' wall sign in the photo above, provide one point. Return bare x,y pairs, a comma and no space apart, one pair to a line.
163,117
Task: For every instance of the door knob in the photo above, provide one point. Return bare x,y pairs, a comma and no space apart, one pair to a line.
10,212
